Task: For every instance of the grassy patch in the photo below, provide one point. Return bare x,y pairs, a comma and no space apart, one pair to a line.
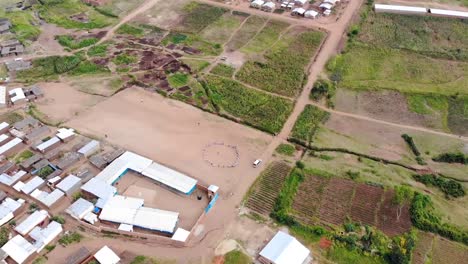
223,70
363,67
341,255
222,29
308,123
196,65
3,71
11,117
48,68
124,59
283,70
458,115
98,50
24,156
246,32
60,13
237,257
427,104
71,238
286,149
433,36
194,41
88,67
198,16
127,29
24,25
258,109
178,80
72,43
265,38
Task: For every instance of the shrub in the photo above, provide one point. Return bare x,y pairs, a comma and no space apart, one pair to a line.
448,187
44,172
409,140
59,219
300,165
68,239
72,43
49,248
4,236
425,218
322,88
286,149
452,158
237,257
127,29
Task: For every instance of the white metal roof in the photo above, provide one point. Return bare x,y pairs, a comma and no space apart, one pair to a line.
19,249
451,13
106,256
257,3
32,184
311,13
213,188
10,180
44,236
299,10
170,177
33,220
3,125
3,137
2,95
125,227
89,148
301,1
412,9
54,179
11,144
128,210
90,218
46,198
269,4
64,133
48,143
19,94
7,208
285,249
128,160
80,208
326,6
99,188
68,183
181,234
18,186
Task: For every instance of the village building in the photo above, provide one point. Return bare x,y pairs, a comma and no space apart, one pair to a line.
28,163
19,249
298,11
31,221
4,127
448,13
68,160
79,256
37,133
284,249
106,256
5,26
8,209
90,148
397,9
33,93
65,134
12,50
43,236
48,199
32,184
311,14
10,180
17,96
70,185
48,145
26,123
3,102
18,65
80,208
300,2
257,4
11,147
269,7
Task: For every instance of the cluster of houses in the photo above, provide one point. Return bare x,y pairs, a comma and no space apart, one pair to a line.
11,46
18,96
297,7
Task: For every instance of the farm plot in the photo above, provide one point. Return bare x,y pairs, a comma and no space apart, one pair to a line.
198,16
255,108
363,68
445,251
336,201
266,38
366,201
25,25
433,36
264,192
221,30
393,219
423,248
307,200
74,14
308,123
282,70
119,7
249,29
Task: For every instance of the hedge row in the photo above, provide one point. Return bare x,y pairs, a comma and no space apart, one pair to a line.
448,187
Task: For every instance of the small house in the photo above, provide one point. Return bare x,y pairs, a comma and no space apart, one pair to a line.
284,249
17,96
397,9
325,6
300,2
268,7
298,11
257,4
106,256
311,14
5,25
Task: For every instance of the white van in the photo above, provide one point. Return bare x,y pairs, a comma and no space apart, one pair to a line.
257,163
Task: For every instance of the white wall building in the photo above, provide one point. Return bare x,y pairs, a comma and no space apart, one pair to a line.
284,249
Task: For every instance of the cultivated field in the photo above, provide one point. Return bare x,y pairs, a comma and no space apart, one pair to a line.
333,201
262,195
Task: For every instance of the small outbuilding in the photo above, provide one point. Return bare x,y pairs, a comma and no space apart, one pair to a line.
257,4
106,256
269,7
70,185
298,11
80,208
90,148
284,249
311,14
300,2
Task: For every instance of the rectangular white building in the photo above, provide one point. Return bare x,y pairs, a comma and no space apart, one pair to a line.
31,221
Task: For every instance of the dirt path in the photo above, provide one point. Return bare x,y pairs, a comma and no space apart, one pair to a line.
140,9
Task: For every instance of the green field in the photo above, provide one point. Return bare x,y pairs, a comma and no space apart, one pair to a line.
198,16
308,123
266,38
248,30
223,70
60,13
24,25
283,69
221,30
432,36
367,68
264,111
119,7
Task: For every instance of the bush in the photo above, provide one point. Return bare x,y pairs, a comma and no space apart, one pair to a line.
286,149
300,165
127,29
4,236
237,257
68,239
72,43
425,218
409,140
452,158
44,172
59,219
448,187
49,248
322,88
